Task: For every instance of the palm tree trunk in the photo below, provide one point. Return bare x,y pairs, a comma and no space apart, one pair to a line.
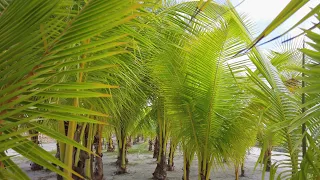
204,167
267,159
80,156
204,173
236,171
81,136
35,140
69,150
129,144
156,148
80,168
69,158
150,144
104,143
173,147
122,159
58,151
122,154
160,172
63,128
186,167
98,169
135,140
88,162
110,145
242,169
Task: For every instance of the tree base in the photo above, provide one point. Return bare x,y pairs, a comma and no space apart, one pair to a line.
35,167
203,177
268,165
118,162
170,168
187,171
242,173
186,178
98,169
155,155
110,149
121,170
268,169
150,145
160,172
156,148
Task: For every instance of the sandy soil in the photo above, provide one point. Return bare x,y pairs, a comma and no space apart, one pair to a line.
142,165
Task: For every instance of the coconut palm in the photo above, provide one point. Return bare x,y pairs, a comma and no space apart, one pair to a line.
47,49
172,64
199,91
310,166
212,123
128,109
309,120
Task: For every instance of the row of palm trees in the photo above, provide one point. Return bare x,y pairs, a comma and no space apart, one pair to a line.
81,70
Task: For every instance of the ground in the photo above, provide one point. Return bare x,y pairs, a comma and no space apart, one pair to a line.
141,166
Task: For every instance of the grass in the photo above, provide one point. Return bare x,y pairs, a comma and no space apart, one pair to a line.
139,148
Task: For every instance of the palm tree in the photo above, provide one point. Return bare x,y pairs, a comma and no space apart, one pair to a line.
309,120
128,108
47,50
171,67
199,90
212,102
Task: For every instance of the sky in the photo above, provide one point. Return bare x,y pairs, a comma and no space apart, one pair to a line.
262,12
